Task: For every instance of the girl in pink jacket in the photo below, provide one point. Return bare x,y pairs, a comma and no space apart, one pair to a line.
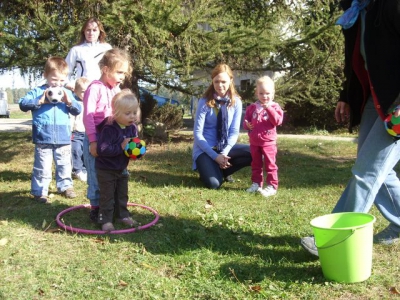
261,120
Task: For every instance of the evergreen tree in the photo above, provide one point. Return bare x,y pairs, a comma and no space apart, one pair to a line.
170,39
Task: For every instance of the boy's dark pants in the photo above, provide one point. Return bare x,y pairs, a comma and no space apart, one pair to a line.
113,186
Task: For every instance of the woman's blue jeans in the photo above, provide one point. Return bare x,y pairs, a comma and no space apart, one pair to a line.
93,192
373,179
212,175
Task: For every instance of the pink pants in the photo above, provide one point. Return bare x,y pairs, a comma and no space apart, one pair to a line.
269,154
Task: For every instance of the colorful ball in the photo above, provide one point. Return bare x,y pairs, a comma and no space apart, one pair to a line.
135,148
392,125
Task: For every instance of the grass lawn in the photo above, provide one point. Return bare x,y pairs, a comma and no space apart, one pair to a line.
222,244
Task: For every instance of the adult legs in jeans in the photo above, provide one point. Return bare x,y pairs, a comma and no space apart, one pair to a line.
93,193
240,157
210,172
373,180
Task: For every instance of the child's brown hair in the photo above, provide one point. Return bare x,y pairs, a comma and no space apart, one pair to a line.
55,63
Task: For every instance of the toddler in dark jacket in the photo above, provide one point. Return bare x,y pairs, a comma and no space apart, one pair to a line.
111,164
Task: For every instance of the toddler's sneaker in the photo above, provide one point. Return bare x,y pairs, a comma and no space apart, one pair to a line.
388,236
128,221
107,227
81,176
69,193
253,188
268,191
40,199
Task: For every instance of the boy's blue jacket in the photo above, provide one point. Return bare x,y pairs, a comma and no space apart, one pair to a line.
50,122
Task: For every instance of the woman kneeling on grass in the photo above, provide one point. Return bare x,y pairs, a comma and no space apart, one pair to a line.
216,156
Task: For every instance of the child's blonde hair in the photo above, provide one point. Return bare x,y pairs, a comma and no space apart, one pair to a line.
264,80
124,101
55,63
114,58
81,83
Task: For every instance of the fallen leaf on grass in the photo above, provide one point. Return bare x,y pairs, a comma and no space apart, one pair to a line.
98,240
122,283
208,205
3,242
394,290
255,288
40,292
148,266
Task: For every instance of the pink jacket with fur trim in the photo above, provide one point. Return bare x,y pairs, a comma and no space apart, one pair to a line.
264,121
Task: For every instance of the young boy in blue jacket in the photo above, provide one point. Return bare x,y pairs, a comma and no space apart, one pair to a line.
51,105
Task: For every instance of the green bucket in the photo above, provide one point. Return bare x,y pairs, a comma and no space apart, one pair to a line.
344,242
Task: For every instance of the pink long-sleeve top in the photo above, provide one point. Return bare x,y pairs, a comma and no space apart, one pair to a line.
264,121
97,106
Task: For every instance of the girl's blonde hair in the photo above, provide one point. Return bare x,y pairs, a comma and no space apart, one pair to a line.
232,93
102,36
264,80
123,101
81,83
55,63
114,58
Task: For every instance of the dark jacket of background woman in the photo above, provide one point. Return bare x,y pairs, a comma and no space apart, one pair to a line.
382,48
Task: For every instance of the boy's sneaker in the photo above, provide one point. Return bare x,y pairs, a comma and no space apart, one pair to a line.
81,176
388,236
229,179
69,193
253,188
128,221
94,215
308,243
40,199
268,191
107,227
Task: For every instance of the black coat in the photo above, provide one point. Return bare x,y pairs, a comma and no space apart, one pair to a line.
382,48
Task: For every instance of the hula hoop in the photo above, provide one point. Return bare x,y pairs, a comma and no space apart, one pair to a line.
121,231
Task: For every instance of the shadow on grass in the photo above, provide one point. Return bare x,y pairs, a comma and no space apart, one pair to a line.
176,236
13,144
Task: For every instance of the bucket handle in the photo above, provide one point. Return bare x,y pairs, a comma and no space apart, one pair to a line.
326,247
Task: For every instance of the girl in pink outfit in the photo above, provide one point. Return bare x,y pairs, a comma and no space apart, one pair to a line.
115,66
261,120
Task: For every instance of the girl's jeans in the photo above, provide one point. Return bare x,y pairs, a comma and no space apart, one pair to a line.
42,168
373,181
93,192
210,172
77,152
